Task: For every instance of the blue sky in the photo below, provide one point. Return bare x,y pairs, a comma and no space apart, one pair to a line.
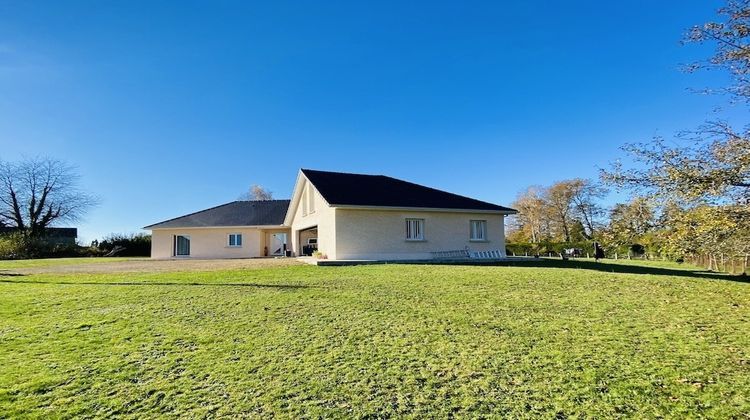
171,107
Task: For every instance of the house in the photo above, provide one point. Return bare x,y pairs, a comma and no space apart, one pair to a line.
343,216
240,229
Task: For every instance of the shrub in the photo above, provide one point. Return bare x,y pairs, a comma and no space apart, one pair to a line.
11,247
16,245
319,255
134,245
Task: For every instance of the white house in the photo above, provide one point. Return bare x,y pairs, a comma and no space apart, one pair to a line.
342,216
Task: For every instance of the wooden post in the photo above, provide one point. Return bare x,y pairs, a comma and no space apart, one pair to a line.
615,255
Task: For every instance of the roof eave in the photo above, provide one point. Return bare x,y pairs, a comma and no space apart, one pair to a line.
430,209
219,227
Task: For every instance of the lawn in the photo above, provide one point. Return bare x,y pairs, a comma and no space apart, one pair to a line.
565,339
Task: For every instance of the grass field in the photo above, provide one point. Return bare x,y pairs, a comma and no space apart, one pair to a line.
565,339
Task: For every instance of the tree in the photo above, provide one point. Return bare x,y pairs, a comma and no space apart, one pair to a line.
38,193
713,166
630,223
585,196
731,37
702,181
566,211
713,163
710,231
559,199
531,214
257,193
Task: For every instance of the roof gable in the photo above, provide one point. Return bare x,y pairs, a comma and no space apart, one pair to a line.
236,213
344,189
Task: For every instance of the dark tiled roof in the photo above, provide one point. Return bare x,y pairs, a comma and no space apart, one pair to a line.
236,213
383,191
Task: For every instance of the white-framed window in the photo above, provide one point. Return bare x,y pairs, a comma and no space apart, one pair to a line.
415,229
234,240
181,246
311,199
478,230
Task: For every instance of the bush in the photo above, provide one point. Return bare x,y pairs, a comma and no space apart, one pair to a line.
11,247
16,246
134,245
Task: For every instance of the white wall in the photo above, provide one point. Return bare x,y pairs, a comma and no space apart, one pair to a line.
322,217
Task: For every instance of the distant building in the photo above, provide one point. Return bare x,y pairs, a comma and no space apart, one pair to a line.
53,235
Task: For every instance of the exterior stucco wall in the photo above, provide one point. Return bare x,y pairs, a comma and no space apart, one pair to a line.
381,234
210,242
322,217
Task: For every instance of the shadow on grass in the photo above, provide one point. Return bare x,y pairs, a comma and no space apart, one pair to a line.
119,283
7,274
604,266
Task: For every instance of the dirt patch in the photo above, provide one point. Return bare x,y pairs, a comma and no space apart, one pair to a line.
152,266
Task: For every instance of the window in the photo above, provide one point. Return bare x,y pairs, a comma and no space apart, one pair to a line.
311,198
181,245
235,239
415,229
478,230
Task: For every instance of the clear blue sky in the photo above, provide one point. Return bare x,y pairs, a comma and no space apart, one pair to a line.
168,108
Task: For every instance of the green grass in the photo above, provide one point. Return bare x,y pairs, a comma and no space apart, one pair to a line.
544,340
51,262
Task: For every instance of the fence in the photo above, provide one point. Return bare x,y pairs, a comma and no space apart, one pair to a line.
732,264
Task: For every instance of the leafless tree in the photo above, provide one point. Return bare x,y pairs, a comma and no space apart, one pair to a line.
40,192
586,195
257,193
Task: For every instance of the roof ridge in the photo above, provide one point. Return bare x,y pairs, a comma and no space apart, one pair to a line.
342,173
250,201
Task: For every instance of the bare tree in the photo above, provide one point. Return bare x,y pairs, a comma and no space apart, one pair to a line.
257,193
38,193
585,196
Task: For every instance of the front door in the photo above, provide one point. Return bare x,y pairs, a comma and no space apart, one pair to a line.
277,244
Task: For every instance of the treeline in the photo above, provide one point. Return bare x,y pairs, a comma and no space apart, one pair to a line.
689,196
571,214
19,245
